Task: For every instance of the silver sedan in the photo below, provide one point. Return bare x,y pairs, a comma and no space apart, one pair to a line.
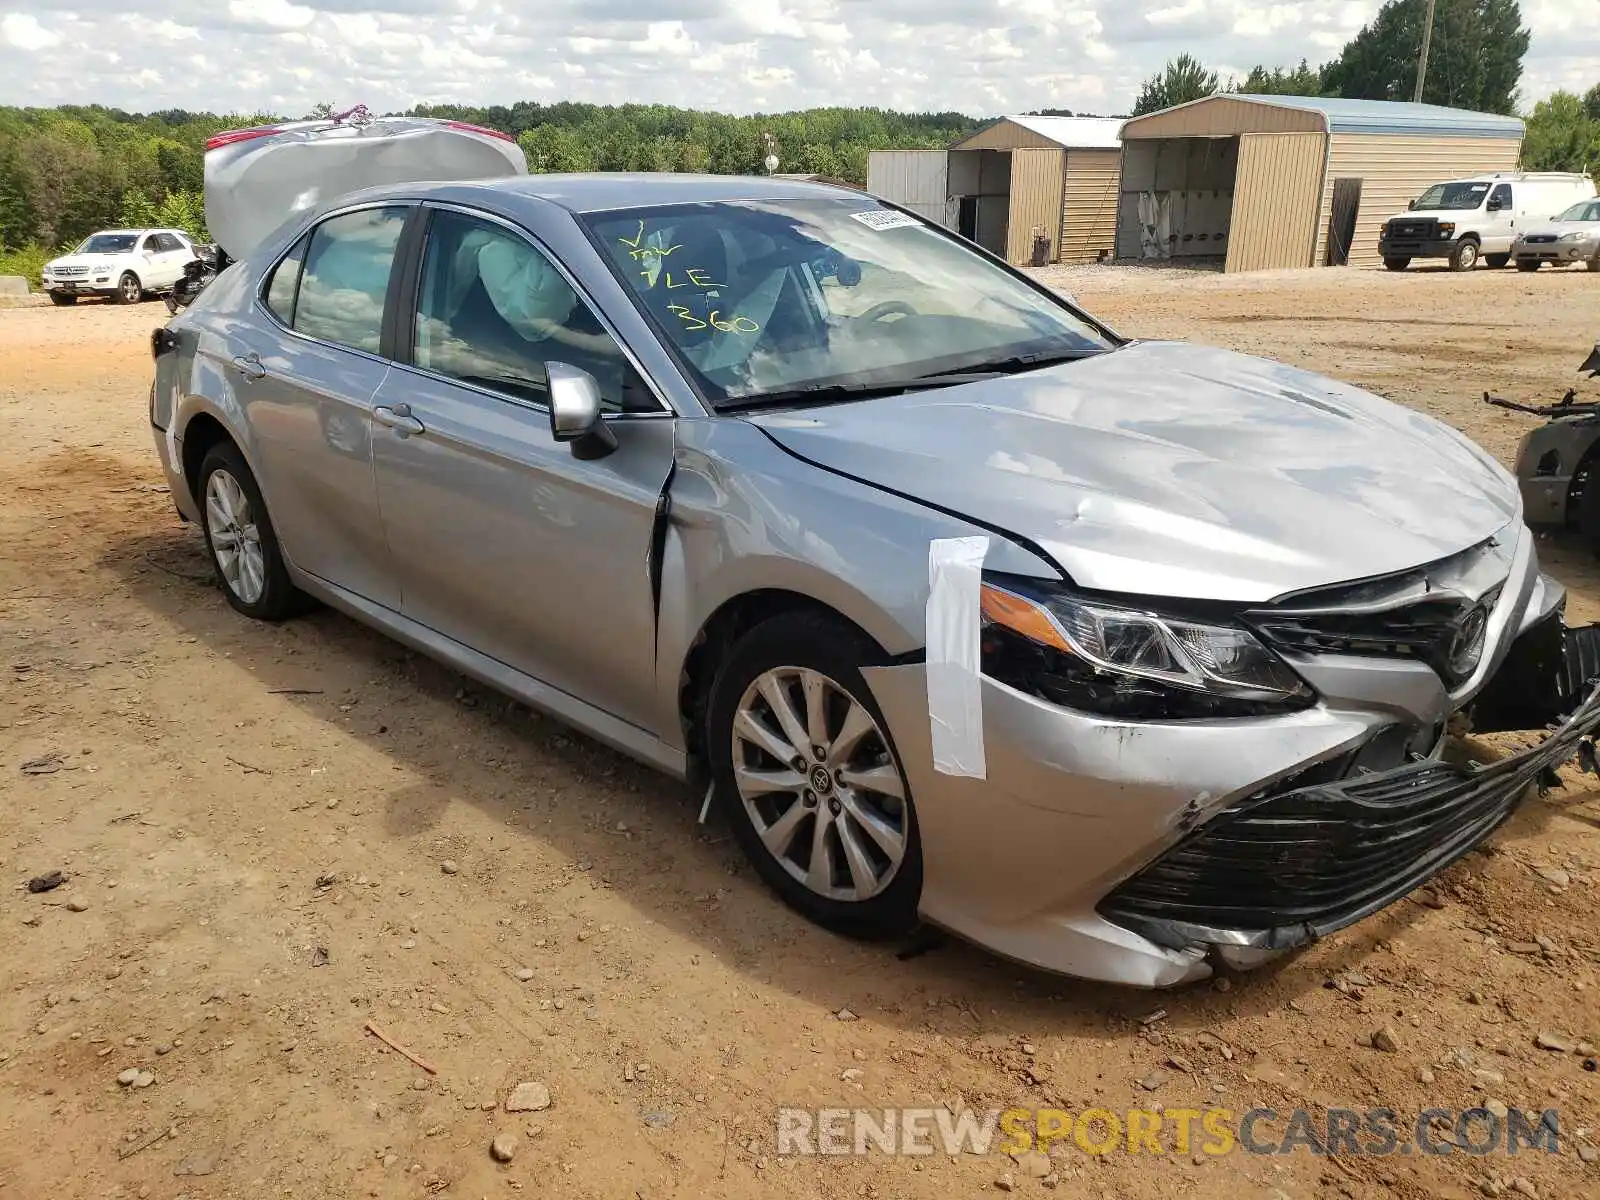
1571,238
1122,658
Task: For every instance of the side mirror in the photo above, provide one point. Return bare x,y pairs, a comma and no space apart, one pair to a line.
575,413
1412,205
1493,205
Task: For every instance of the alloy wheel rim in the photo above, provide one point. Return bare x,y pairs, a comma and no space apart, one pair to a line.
130,289
820,784
235,539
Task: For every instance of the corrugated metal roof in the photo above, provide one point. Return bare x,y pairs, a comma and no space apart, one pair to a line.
1075,133
1388,116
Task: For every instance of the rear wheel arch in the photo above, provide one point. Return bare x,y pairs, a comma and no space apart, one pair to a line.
202,432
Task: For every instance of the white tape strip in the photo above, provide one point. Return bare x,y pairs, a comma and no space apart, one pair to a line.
955,691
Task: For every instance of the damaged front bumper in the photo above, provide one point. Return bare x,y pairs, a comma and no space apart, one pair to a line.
1145,853
1277,871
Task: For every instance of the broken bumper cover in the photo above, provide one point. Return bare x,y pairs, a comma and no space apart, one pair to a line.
1275,872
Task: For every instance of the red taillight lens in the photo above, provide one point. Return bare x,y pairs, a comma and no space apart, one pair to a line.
230,136
465,127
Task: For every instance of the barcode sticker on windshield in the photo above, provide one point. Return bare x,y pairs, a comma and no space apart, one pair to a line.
885,218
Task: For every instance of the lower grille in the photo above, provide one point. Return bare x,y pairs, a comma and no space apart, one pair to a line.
1285,869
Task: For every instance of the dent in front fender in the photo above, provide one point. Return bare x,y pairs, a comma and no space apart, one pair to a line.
744,515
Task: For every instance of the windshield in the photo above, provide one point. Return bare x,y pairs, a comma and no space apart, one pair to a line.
767,296
1454,195
108,243
1588,210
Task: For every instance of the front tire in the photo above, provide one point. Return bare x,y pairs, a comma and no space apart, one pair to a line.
803,765
1397,264
1594,263
129,289
63,299
1465,255
1529,265
1496,262
240,539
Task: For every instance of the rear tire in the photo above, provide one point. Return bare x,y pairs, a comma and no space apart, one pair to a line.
1397,264
862,874
240,539
1496,262
1465,255
129,290
1529,265
61,300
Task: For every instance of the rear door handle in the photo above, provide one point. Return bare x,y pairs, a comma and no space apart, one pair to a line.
250,366
398,418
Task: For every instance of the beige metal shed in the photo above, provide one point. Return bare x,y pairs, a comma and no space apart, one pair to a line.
1031,189
1258,182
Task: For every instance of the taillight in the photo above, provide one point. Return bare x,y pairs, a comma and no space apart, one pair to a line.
230,137
465,127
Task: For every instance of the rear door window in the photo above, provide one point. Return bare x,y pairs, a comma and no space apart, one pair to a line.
284,283
346,277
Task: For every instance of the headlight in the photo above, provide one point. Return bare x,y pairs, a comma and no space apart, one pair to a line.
1125,662
1447,228
1583,235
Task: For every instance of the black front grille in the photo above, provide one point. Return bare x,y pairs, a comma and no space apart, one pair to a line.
1540,239
1426,229
1289,867
1427,630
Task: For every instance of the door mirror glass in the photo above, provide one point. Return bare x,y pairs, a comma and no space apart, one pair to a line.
1494,204
575,411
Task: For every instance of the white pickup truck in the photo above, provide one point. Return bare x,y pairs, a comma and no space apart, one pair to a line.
124,264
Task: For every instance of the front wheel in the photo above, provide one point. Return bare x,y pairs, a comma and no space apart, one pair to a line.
1465,256
1496,262
129,290
1594,263
63,299
803,764
1528,264
239,536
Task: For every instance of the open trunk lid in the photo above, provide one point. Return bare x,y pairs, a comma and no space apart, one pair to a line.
256,179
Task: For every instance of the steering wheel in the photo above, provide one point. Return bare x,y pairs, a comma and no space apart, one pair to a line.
887,308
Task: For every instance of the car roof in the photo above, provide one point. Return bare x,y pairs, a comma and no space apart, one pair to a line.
596,192
136,232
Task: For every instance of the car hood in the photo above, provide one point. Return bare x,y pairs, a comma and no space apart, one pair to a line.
1557,228
1167,469
84,260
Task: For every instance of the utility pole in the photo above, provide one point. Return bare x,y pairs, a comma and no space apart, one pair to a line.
1422,58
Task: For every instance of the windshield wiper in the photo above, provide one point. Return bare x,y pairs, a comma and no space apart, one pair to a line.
1017,363
839,393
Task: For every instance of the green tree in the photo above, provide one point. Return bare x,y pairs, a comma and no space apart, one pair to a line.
1561,136
1474,59
1183,79
1304,80
1591,102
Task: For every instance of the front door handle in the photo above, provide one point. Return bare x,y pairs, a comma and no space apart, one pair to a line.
398,418
250,366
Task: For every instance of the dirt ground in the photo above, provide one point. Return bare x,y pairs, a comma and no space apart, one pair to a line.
274,835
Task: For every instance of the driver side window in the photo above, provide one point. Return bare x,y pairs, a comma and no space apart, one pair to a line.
1500,198
494,309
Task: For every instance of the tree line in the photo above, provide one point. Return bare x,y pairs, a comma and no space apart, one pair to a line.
65,172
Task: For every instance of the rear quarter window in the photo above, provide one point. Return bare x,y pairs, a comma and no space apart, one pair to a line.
284,283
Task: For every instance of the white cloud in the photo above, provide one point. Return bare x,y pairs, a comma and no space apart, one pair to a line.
978,56
23,31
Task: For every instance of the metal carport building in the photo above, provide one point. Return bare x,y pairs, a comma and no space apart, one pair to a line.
1026,188
1264,182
